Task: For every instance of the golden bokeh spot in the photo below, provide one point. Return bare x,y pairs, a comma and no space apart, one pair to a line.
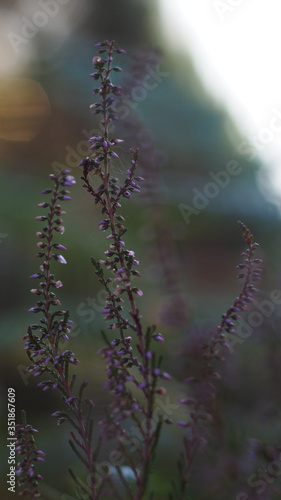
24,108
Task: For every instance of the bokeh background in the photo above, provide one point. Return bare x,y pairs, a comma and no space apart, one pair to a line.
187,262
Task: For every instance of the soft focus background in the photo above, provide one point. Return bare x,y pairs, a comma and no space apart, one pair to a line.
187,124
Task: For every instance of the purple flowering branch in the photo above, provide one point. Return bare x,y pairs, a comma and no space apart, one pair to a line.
45,349
28,478
201,405
116,273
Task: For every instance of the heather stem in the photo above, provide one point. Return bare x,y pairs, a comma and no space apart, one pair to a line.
212,354
108,195
45,351
48,258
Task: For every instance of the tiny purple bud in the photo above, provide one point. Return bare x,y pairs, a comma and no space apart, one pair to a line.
46,191
186,401
41,217
70,179
182,424
60,259
57,284
56,302
65,198
60,247
120,270
224,344
158,337
68,400
106,310
60,229
33,309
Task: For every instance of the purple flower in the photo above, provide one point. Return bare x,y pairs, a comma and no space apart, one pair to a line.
47,191
59,247
60,259
57,284
69,180
158,337
65,198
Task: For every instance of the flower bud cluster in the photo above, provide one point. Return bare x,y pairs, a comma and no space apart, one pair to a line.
42,346
201,402
44,340
127,373
27,477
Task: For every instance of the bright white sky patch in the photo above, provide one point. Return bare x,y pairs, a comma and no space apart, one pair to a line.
236,48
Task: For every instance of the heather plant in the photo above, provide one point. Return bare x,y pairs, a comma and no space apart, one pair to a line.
201,399
28,478
124,369
134,369
44,340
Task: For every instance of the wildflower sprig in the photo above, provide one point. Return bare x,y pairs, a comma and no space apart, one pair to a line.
28,478
43,347
128,373
46,341
203,389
